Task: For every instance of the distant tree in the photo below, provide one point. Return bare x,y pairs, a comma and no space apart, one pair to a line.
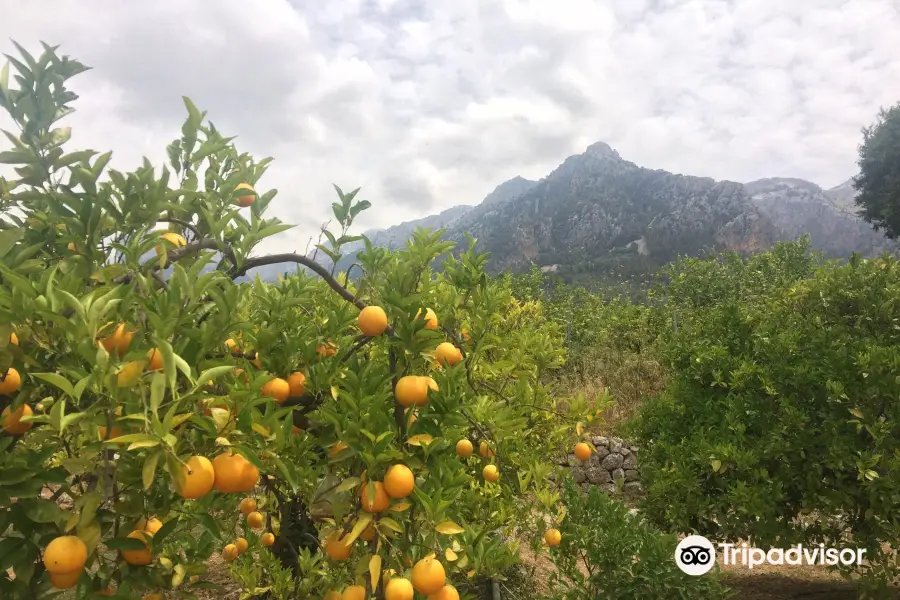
878,184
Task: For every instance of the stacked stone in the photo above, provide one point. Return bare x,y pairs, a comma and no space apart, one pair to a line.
612,462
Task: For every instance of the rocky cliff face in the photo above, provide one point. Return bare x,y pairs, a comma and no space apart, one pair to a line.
598,211
799,207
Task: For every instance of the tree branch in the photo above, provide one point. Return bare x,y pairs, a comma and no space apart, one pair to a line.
318,269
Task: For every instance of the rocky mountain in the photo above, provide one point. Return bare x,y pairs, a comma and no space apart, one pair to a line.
798,207
598,215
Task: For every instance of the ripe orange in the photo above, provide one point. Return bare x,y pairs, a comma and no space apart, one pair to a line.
234,473
399,589
65,581
432,384
11,382
485,450
248,505
71,247
267,539
296,384
447,354
173,238
230,553
465,335
431,320
428,576
118,342
411,417
326,350
199,477
553,537
12,421
379,503
464,448
491,473
399,481
333,595
368,533
65,554
277,388
336,449
372,321
336,547
255,520
242,545
154,360
246,200
232,346
151,526
412,389
141,557
582,451
114,432
354,592
448,592
14,339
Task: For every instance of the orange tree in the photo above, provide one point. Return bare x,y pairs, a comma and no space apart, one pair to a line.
377,436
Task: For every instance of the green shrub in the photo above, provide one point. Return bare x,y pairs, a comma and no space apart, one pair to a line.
607,552
780,424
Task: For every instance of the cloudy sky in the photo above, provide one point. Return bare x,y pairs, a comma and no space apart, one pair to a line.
426,104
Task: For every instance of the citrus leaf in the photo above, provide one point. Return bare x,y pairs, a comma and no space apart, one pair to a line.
390,524
423,439
375,570
358,528
57,380
400,507
149,469
450,555
449,528
348,484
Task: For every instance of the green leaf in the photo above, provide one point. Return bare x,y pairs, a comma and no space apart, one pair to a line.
212,375
160,536
41,510
157,391
9,238
149,470
348,484
57,380
125,543
131,438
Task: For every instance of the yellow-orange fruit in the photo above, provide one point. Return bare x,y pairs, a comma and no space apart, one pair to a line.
431,320
12,420
14,339
399,589
368,534
151,526
336,547
412,390
277,389
333,595
11,382
336,449
296,384
448,592
491,473
232,346
141,557
464,448
428,576
582,451
247,506
354,592
242,545
485,450
267,539
65,581
113,433
65,554
399,481
246,200
553,537
327,349
255,520
198,477
230,552
379,503
234,473
154,360
372,321
447,354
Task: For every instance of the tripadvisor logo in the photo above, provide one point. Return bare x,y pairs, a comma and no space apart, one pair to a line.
696,555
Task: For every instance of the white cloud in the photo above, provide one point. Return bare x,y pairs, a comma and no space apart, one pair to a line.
429,104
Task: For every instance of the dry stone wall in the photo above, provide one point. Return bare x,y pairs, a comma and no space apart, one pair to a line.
613,463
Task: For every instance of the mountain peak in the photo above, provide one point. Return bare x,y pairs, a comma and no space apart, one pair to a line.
509,190
602,150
